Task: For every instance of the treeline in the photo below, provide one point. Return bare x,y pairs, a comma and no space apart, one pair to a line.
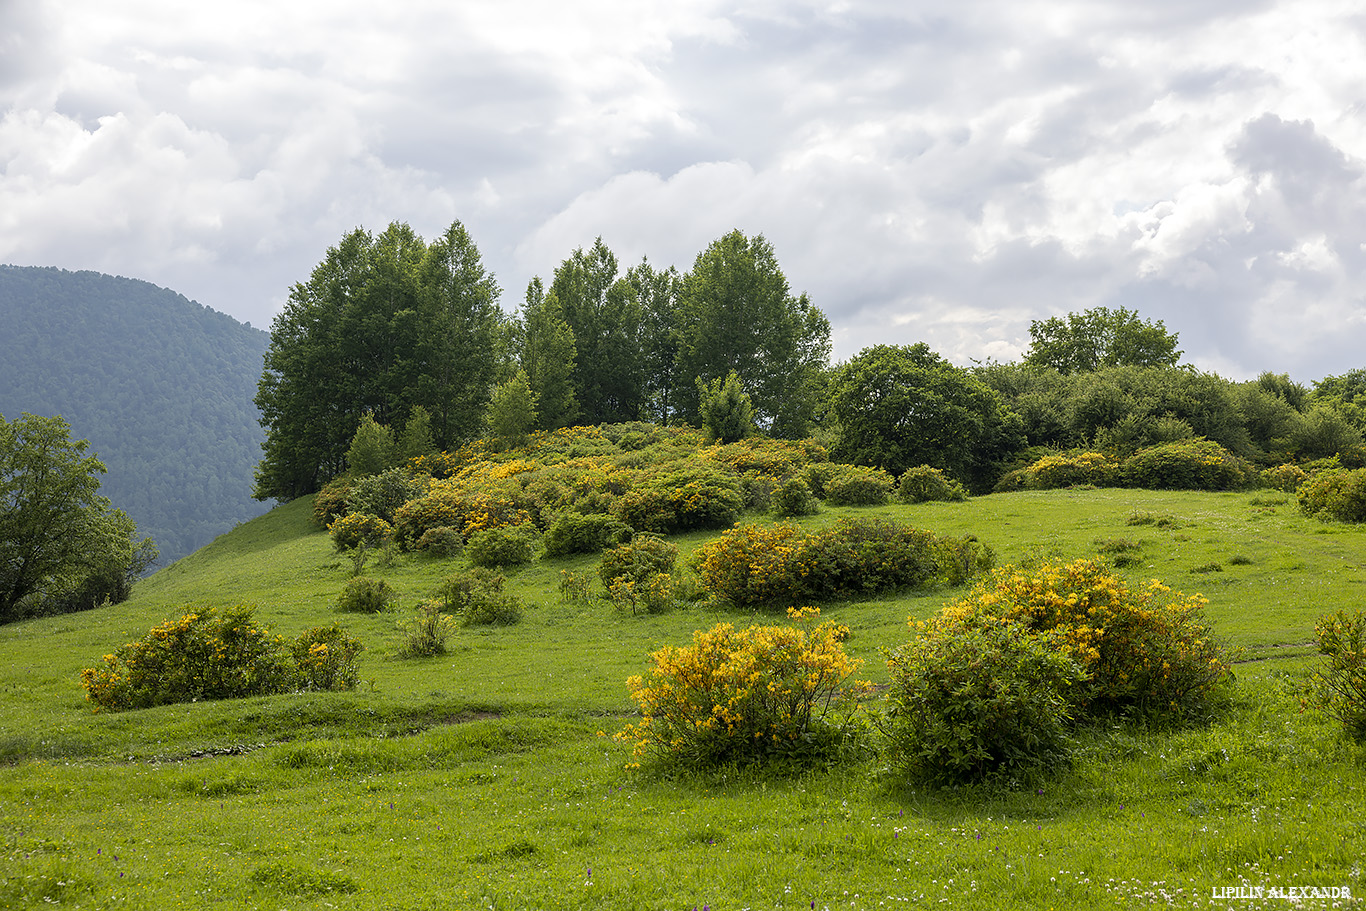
390,323
160,385
394,327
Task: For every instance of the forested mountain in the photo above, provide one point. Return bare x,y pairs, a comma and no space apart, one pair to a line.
161,386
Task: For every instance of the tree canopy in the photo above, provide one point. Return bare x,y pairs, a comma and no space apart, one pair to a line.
384,324
1098,338
62,546
902,406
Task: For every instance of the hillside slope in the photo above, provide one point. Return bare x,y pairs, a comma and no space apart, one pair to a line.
161,386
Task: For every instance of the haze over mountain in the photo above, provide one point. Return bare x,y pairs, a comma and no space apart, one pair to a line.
161,386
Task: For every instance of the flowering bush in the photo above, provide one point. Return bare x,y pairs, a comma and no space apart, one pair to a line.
325,659
978,698
213,654
1148,651
1335,493
857,485
440,542
653,594
1196,464
359,528
1287,477
781,564
1072,470
760,693
925,483
1339,687
330,503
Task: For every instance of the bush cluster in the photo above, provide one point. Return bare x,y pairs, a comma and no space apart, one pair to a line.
1285,477
1145,652
502,545
1072,470
794,498
924,483
1187,464
857,485
764,692
365,595
1335,493
358,528
218,654
1339,687
783,565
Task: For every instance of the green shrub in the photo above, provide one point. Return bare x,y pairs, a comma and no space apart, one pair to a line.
1285,477
571,533
684,499
366,595
794,498
1339,687
970,700
477,598
1197,464
645,556
1335,493
1072,470
654,594
218,654
762,693
782,565
441,542
382,494
330,503
357,529
857,485
504,545
925,483
425,634
325,658
818,474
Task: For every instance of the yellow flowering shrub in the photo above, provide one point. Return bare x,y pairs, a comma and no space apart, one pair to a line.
218,654
760,693
357,528
1147,650
1072,469
1338,686
1196,464
780,564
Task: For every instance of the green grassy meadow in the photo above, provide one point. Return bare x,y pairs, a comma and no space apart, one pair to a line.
487,777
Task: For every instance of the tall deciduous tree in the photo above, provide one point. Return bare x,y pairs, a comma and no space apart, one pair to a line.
61,544
549,357
903,406
736,313
1100,337
382,325
602,311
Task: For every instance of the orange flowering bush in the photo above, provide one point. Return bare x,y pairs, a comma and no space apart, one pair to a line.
213,654
760,693
1147,650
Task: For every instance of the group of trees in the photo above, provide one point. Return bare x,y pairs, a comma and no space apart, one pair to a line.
387,324
62,547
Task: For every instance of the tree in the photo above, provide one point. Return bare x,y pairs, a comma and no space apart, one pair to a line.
382,325
903,406
372,448
416,438
1098,338
61,544
736,314
727,412
657,293
512,410
549,357
604,315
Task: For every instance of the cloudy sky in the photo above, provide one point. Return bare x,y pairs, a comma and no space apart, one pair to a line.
926,171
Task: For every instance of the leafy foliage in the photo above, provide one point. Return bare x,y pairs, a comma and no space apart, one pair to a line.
572,533
1098,338
477,597
1335,493
761,693
645,556
358,529
372,448
426,632
1339,686
794,498
727,412
364,595
979,698
858,485
62,547
502,545
1187,465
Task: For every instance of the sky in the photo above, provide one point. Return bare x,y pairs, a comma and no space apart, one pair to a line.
926,172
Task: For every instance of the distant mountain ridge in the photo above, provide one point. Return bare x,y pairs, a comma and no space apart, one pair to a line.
160,385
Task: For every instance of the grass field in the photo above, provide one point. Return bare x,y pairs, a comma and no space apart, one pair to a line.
483,778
